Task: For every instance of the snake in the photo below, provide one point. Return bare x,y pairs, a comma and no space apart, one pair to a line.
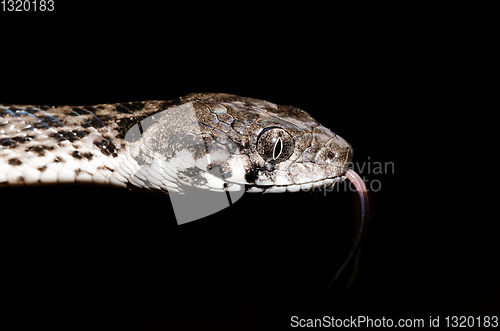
209,141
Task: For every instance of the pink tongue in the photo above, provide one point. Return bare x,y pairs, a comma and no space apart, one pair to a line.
361,223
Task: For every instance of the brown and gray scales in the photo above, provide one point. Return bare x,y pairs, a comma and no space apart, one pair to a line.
96,144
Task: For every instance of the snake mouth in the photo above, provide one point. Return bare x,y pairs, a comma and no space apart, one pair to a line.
322,184
302,177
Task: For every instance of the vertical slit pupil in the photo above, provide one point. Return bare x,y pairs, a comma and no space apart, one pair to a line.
277,148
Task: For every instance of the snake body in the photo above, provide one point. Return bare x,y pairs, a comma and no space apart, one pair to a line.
170,145
216,142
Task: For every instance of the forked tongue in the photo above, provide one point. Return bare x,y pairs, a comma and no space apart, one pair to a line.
361,224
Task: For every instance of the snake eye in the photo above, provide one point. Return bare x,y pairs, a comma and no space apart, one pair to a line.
275,145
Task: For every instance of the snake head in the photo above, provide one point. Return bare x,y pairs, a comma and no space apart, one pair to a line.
293,152
270,148
225,142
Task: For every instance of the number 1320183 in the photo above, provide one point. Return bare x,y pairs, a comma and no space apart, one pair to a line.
27,5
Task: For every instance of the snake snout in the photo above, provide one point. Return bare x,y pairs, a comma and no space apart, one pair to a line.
335,156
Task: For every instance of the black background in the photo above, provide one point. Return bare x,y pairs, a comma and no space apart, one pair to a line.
399,83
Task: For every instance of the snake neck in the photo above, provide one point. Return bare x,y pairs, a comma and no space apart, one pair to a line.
54,145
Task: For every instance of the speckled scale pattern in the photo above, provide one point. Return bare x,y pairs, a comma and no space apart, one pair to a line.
42,144
156,145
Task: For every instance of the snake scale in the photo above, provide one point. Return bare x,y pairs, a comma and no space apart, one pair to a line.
211,141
